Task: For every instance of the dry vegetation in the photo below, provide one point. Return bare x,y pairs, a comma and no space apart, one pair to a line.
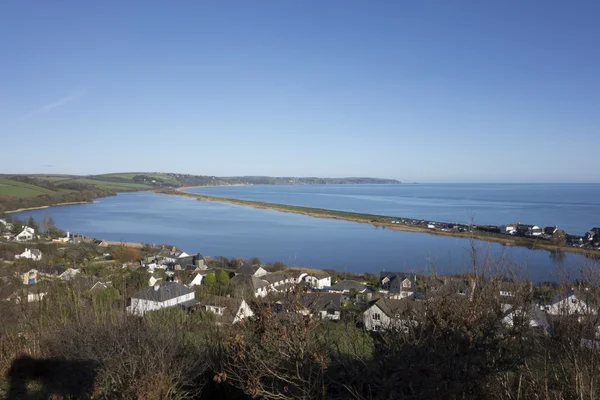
84,345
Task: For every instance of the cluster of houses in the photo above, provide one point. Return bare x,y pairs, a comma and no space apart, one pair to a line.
397,303
590,240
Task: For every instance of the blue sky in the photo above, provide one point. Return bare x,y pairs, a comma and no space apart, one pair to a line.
428,91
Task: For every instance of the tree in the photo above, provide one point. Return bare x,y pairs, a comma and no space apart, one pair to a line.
222,277
125,254
210,279
33,224
48,222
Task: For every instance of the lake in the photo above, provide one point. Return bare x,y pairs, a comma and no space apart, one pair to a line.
236,231
575,208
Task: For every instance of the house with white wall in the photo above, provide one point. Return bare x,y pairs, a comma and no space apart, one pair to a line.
254,270
248,285
27,234
228,309
161,295
573,302
31,254
322,305
315,279
394,314
198,279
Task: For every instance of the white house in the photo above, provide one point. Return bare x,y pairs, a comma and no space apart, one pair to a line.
573,302
508,229
230,310
31,254
254,270
348,285
315,279
324,305
530,315
163,295
279,281
69,274
393,314
250,285
535,231
153,280
26,234
198,279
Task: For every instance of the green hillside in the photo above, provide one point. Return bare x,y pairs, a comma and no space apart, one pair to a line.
13,188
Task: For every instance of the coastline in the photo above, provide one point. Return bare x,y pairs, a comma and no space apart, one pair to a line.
381,221
48,206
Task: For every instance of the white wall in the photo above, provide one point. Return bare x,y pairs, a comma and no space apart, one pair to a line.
141,306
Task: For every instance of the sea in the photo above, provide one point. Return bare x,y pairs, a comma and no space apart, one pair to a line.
220,229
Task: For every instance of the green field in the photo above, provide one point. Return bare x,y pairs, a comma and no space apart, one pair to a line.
8,187
130,175
116,186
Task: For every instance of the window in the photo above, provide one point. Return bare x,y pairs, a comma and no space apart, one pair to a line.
406,283
330,311
376,317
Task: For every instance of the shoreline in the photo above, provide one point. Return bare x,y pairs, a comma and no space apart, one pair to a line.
380,221
48,206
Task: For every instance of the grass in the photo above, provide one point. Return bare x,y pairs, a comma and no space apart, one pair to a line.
116,186
130,175
9,187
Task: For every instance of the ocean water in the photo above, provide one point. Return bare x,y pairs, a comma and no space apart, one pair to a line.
235,231
573,207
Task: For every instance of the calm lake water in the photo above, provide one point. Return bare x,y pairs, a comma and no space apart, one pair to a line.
573,207
235,231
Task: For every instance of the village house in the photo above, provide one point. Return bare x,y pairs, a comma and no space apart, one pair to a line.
279,281
509,229
26,235
531,316
573,302
534,231
397,284
31,254
161,295
248,285
347,286
323,305
254,270
394,314
198,279
315,279
228,309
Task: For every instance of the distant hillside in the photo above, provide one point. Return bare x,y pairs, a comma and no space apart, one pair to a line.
29,191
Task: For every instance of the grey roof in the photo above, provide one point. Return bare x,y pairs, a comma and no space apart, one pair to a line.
276,277
36,252
230,305
249,281
166,291
533,312
248,269
347,285
322,301
392,307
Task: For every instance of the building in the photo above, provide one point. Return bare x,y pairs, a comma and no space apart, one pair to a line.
323,305
394,314
531,315
248,285
398,284
346,286
161,295
228,309
280,281
573,302
26,235
198,279
253,270
509,229
31,254
315,279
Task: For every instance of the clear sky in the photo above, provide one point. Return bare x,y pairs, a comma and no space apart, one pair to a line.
428,91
